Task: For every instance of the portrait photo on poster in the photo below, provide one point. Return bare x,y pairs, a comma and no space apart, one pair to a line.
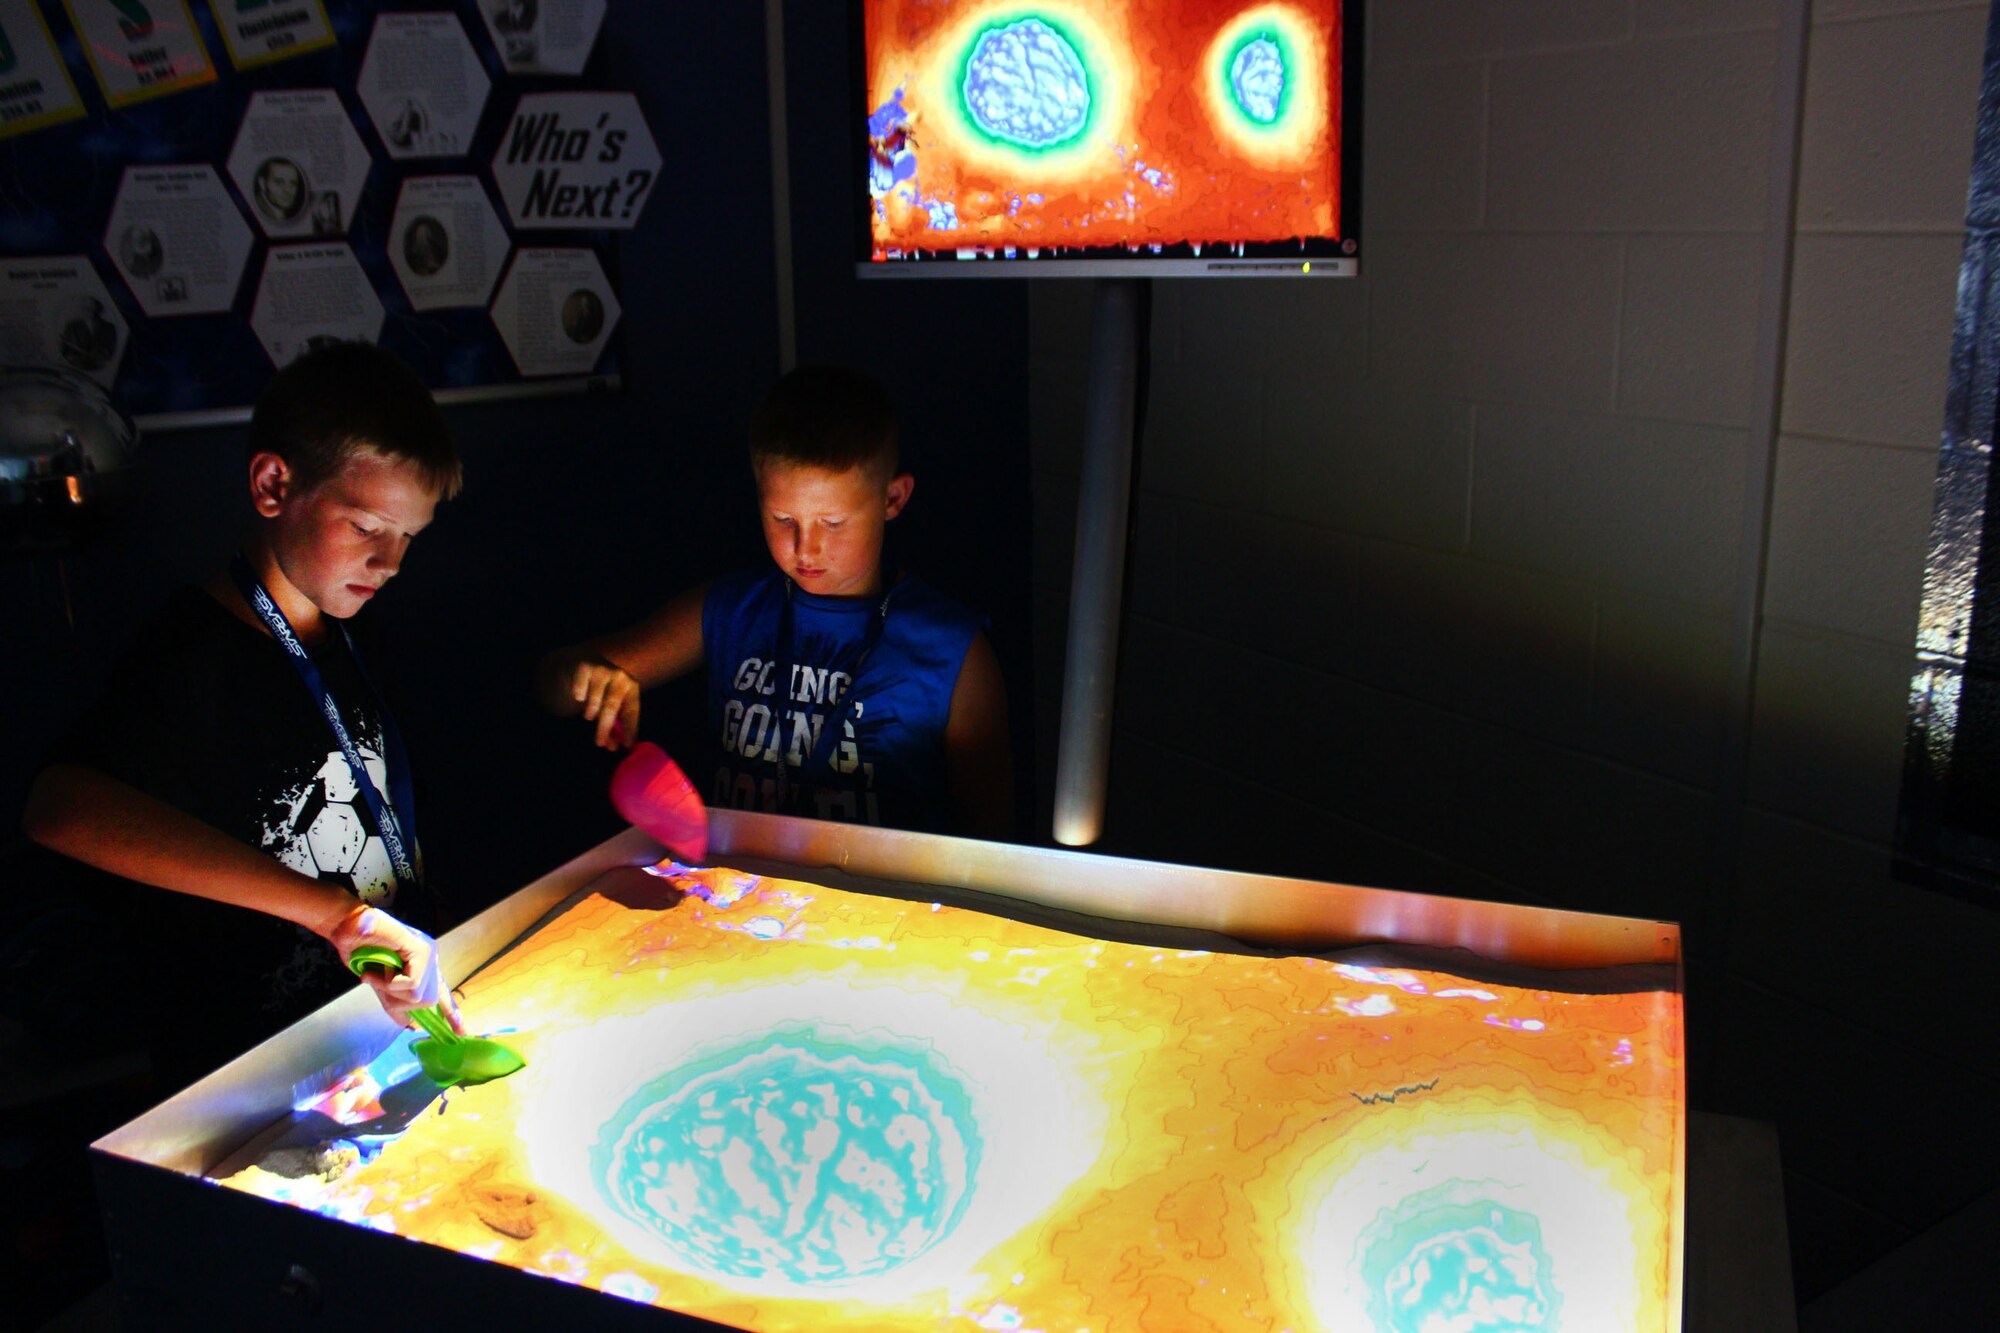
139,248
582,316
280,190
56,312
426,246
87,338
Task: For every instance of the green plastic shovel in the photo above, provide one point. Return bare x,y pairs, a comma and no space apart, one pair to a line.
447,1058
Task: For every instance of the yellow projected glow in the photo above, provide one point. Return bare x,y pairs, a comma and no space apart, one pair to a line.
786,1107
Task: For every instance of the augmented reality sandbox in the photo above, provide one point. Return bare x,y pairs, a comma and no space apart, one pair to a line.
779,1098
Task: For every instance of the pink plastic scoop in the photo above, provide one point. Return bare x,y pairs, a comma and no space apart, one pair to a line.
653,795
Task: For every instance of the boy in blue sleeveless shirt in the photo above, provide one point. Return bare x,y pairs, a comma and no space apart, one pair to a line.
834,692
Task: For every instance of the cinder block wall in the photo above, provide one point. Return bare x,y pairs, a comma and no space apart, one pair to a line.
1434,571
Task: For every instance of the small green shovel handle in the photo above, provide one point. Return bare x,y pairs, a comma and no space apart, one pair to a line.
379,956
368,958
447,1058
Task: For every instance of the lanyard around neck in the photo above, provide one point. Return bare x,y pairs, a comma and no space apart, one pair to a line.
820,743
396,822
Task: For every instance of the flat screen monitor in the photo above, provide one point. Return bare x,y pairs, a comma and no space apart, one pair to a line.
1093,138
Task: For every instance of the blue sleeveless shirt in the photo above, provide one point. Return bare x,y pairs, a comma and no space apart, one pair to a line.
855,704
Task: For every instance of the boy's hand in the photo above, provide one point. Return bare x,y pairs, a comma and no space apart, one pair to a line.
610,698
420,983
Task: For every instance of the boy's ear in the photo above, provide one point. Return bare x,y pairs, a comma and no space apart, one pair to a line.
270,483
900,487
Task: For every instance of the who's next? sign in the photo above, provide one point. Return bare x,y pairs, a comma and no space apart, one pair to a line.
576,160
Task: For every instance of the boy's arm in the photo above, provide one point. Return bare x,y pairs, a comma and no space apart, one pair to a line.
979,756
94,818
601,678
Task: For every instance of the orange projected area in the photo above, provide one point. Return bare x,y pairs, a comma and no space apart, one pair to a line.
782,1106
1053,125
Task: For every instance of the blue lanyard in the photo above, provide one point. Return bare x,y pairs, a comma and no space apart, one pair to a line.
398,834
788,792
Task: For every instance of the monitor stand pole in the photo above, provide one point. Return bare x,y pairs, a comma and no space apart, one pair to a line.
1097,581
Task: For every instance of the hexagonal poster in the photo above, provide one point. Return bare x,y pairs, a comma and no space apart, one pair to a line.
178,239
299,162
422,85
555,311
446,242
543,36
56,312
576,160
311,295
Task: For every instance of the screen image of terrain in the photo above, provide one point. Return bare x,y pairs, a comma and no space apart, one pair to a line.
778,1105
1055,125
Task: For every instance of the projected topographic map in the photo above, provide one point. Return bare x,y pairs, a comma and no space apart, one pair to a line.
783,1106
1056,124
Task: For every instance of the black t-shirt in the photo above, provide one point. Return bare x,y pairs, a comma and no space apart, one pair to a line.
208,714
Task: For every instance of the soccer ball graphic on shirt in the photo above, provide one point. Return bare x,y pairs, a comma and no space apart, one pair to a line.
326,834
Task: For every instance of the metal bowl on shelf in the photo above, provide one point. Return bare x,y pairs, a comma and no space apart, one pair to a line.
65,452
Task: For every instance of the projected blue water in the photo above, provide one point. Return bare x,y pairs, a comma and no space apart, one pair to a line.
1448,1258
830,1162
1025,84
1257,80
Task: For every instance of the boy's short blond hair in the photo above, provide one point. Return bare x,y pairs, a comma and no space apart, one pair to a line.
829,417
335,401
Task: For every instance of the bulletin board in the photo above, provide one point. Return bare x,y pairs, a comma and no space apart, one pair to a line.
193,192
